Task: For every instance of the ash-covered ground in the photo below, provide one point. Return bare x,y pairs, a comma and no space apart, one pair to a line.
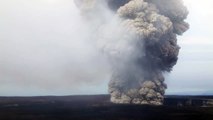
99,107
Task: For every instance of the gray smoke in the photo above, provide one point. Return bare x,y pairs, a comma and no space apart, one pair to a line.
45,50
140,41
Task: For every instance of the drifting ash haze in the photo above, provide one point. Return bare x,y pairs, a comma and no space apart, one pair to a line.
139,37
45,49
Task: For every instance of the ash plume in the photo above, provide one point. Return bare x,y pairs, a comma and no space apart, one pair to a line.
140,41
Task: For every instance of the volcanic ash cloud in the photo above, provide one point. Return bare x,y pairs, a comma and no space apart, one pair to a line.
140,41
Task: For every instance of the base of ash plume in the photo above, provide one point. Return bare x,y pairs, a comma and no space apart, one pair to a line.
99,107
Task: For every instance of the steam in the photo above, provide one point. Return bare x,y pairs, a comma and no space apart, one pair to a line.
45,47
139,37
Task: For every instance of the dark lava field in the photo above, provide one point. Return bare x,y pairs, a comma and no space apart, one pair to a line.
98,107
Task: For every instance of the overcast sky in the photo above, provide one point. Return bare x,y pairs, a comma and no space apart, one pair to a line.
194,71
42,51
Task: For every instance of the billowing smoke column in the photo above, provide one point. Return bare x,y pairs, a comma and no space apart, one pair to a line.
141,45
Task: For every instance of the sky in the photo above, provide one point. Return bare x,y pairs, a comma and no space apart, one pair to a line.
44,53
193,73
